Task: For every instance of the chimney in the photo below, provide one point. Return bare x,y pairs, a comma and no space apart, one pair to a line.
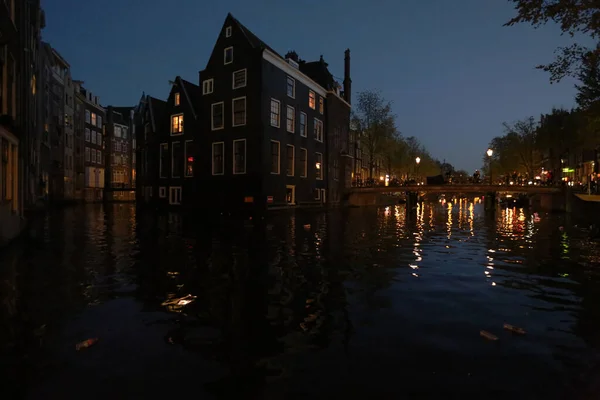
347,80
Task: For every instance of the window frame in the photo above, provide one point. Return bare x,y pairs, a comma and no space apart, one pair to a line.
245,71
245,154
212,158
225,55
160,147
228,31
321,105
233,124
278,156
287,119
87,155
313,98
278,113
304,172
185,157
287,82
177,99
212,115
319,178
173,159
293,160
206,85
175,189
162,192
304,132
179,123
318,123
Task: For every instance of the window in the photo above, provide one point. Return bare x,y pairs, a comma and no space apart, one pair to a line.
239,111
124,130
94,119
317,194
274,157
99,119
303,124
321,105
275,112
207,86
228,31
177,124
319,166
290,160
163,160
290,119
239,156
318,130
87,134
239,79
176,159
228,55
218,165
117,131
99,138
94,137
217,116
291,87
99,157
311,99
162,192
303,163
87,116
177,99
189,158
175,195
93,154
87,154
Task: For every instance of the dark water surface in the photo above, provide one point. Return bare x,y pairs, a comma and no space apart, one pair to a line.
360,303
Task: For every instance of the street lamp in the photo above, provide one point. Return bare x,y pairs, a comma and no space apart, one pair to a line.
490,152
418,161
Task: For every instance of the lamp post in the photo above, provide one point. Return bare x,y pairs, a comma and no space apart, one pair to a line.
490,152
418,161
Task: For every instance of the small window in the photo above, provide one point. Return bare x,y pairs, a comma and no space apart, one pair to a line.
303,124
175,195
290,160
177,99
207,86
318,130
87,134
303,163
216,120
162,192
321,105
94,137
228,55
291,87
87,116
239,111
99,157
99,120
239,79
317,194
217,158
93,153
239,156
290,119
274,157
177,124
228,31
189,158
319,166
94,119
311,99
275,111
87,154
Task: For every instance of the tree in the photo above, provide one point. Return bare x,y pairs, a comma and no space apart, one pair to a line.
573,16
375,123
394,155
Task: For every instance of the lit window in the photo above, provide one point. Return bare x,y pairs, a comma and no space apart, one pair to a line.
177,124
290,119
275,111
274,157
239,79
189,158
207,86
318,130
319,166
303,163
239,156
217,158
239,111
290,160
94,119
321,105
177,99
217,121
311,99
228,31
291,87
303,124
228,55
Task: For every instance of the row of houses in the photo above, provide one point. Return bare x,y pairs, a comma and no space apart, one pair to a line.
57,142
257,130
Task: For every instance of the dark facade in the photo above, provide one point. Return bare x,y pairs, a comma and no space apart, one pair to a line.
118,146
269,126
79,141
94,155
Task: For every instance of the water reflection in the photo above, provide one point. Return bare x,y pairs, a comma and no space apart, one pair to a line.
337,299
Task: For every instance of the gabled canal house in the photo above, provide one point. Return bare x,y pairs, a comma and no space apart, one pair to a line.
274,130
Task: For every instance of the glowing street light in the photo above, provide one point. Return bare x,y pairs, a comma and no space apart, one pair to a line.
490,152
418,160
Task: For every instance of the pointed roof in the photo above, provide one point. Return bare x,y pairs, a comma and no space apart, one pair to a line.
192,93
254,40
157,109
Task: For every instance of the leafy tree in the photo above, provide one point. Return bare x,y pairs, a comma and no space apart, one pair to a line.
573,16
374,121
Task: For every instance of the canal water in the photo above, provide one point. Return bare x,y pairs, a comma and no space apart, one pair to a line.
346,304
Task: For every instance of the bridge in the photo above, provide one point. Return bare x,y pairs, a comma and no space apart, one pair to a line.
464,189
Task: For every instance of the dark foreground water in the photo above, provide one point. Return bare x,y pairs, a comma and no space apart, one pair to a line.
349,304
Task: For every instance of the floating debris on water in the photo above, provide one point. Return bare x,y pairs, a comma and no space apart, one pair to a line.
488,335
514,329
86,343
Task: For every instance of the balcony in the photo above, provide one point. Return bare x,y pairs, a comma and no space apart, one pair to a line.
8,30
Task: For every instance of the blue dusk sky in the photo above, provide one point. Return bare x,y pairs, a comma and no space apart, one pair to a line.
452,71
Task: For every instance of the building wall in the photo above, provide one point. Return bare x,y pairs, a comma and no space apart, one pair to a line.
94,156
69,140
339,162
79,143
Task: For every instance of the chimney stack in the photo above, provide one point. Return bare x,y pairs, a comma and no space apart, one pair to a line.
347,80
